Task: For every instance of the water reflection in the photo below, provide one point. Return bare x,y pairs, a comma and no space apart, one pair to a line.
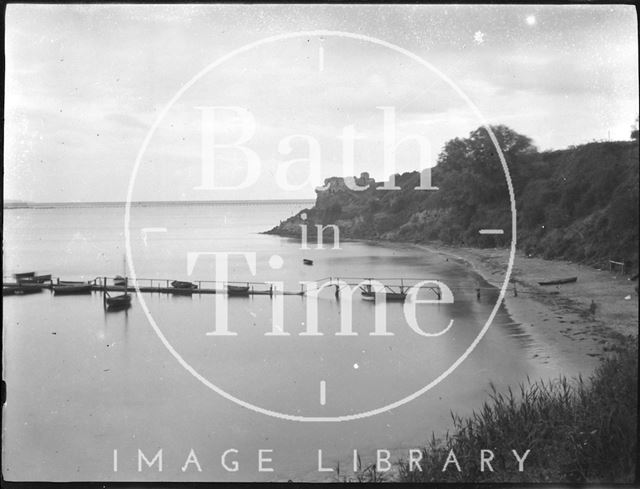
105,381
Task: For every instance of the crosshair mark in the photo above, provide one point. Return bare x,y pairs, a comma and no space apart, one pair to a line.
491,231
323,392
145,231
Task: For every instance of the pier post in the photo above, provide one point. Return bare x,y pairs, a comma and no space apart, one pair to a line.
478,293
515,290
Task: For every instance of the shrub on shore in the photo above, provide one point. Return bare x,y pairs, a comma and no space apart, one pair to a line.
581,431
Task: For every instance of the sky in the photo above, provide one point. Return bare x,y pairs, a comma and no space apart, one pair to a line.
86,84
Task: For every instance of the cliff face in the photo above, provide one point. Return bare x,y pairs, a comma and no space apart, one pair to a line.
579,204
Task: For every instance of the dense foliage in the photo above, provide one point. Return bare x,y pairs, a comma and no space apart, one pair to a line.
577,432
580,203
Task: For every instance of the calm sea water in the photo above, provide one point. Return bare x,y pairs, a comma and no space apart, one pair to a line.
82,383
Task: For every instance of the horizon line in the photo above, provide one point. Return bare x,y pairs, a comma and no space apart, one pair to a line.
28,203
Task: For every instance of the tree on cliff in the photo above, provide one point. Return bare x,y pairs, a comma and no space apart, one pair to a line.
472,181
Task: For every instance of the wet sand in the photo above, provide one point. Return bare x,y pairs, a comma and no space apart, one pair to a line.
559,317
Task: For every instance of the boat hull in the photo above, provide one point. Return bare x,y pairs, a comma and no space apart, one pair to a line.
22,289
24,275
238,290
387,296
561,281
118,302
72,289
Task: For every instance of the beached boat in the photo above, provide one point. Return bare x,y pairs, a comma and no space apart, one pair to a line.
238,290
559,281
76,288
370,295
307,262
116,302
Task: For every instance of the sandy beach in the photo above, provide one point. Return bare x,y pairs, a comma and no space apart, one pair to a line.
559,317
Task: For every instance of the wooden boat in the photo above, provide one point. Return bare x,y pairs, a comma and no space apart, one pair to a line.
24,275
70,282
72,289
559,281
177,284
238,290
112,303
36,279
307,262
21,289
119,281
369,295
183,288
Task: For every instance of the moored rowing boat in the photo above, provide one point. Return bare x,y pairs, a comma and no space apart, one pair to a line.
238,290
72,289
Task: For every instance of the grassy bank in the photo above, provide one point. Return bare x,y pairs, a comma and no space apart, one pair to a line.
577,431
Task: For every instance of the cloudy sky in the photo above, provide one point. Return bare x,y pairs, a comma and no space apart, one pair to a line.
86,83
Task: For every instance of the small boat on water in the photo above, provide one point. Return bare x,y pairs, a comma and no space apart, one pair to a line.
119,281
238,290
117,302
24,275
21,289
368,294
72,288
559,281
183,288
307,261
36,279
177,284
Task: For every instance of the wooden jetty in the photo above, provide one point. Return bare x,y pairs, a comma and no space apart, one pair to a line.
390,288
168,286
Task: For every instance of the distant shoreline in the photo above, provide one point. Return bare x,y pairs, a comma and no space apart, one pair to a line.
57,205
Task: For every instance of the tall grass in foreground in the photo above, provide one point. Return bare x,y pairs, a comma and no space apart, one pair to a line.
577,432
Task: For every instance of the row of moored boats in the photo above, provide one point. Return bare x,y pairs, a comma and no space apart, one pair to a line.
31,283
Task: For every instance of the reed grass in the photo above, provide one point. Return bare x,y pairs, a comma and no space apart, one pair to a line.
578,431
